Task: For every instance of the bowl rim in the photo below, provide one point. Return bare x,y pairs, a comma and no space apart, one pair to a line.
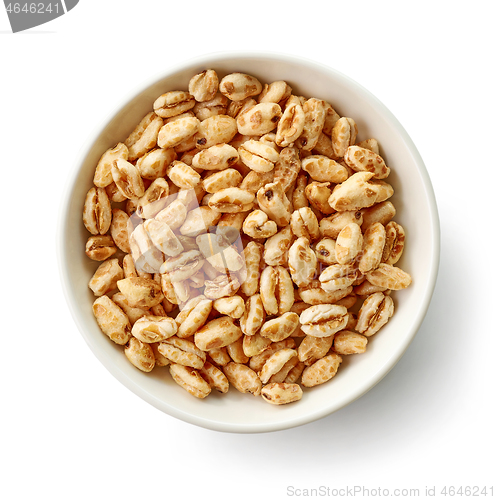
62,256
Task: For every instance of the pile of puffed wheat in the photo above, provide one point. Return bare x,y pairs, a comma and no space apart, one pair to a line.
248,225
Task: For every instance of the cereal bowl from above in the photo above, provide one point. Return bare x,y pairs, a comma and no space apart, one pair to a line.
234,411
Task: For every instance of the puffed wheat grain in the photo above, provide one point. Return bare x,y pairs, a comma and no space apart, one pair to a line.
254,224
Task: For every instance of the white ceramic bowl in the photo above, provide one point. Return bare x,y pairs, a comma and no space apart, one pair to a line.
416,211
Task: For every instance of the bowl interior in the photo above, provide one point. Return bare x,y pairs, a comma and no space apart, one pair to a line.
416,212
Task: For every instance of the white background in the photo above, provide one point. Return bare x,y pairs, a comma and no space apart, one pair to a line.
69,430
